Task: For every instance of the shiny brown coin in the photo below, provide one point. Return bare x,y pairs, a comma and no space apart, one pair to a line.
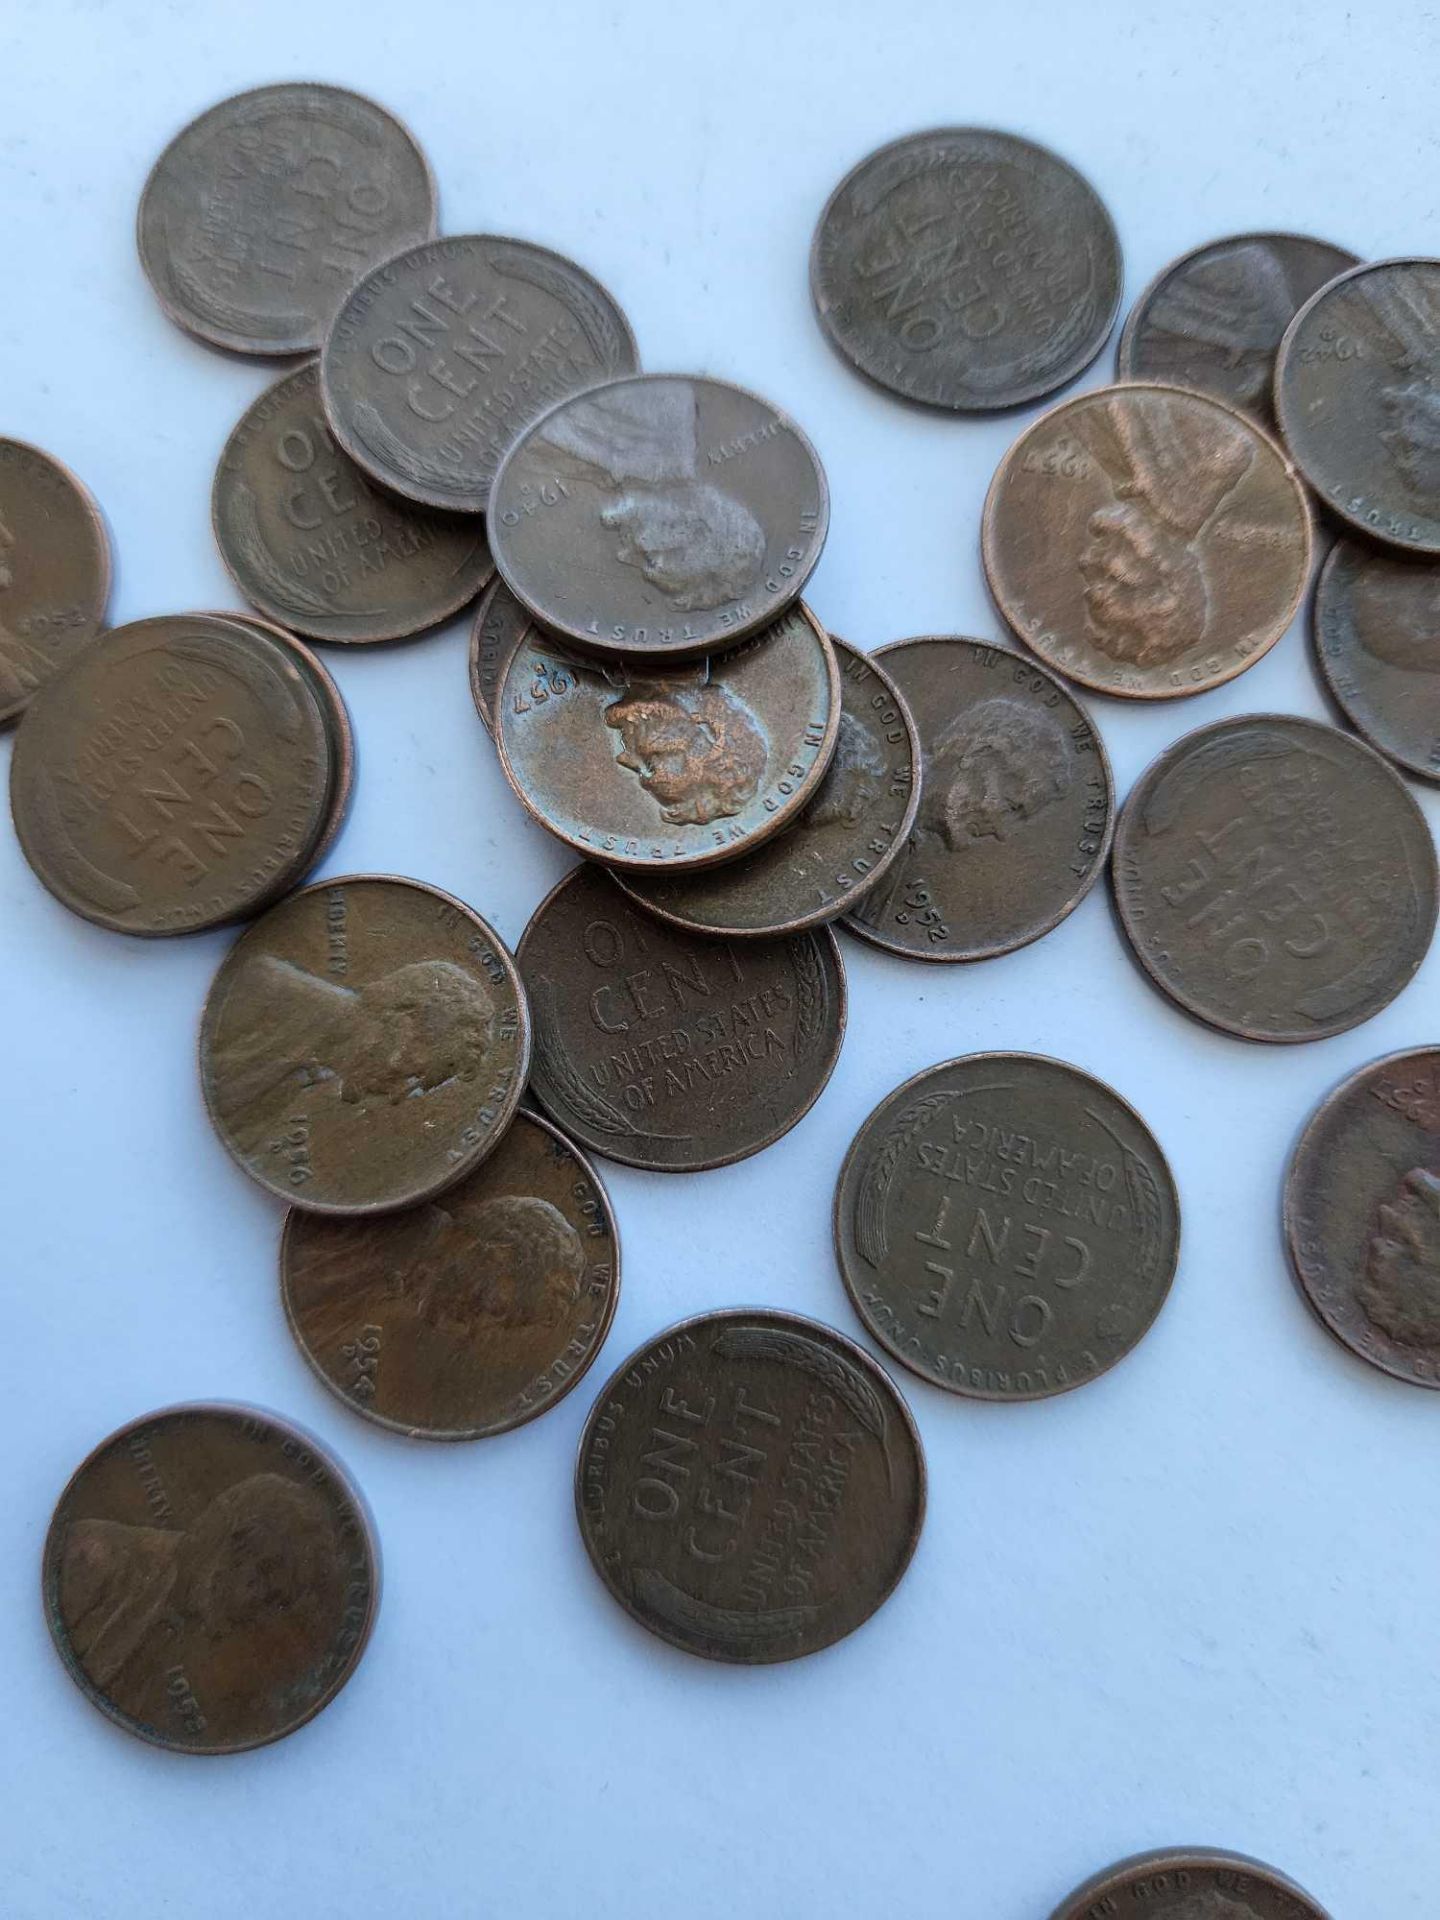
1146,541
671,1050
659,515
1189,1883
843,843
210,1578
666,767
1375,620
500,624
1362,1214
966,269
54,572
1016,806
750,1486
472,1314
364,1046
262,214
311,542
443,355
1006,1226
175,776
1357,394
1213,319
1275,878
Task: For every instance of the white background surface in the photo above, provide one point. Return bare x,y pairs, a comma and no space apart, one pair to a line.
1193,1602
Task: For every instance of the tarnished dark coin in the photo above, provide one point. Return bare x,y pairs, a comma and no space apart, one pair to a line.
1375,620
500,624
54,572
966,269
311,542
843,843
1275,878
670,767
1146,541
659,514
1357,394
261,215
750,1486
443,355
1006,1226
210,1578
1213,319
364,1045
1362,1214
471,1314
1189,1883
176,775
671,1050
1016,806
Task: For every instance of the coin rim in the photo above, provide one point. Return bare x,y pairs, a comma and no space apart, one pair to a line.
1324,587
10,716
477,621
1112,1879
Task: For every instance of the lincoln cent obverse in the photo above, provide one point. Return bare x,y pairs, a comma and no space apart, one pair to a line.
54,572
1275,878
500,624
1006,1226
1190,1883
750,1486
210,1578
1375,621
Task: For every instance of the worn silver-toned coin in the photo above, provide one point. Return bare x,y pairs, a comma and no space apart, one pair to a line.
443,355
663,514
261,215
1375,621
967,269
1190,1883
54,572
500,624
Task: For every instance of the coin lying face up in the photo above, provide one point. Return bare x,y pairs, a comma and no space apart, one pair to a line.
659,515
262,214
1275,878
471,1314
500,624
750,1486
1375,620
1006,1226
364,1045
1190,1883
210,1578
1145,541
54,572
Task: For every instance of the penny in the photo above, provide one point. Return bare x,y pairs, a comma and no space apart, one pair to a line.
1006,1226
311,542
443,355
659,515
1357,394
669,1050
1275,878
364,1045
174,776
1146,541
54,572
750,1486
1213,319
472,1314
261,215
1375,620
1190,1883
671,767
843,843
500,624
966,269
210,1578
1362,1214
1016,806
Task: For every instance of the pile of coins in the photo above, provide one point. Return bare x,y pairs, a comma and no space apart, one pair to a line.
740,782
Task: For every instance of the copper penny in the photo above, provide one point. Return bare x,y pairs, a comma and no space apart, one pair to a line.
54,572
671,1050
1190,1883
750,1486
1275,878
667,767
364,1045
1146,541
500,624
1016,806
469,1315
1375,621
210,1578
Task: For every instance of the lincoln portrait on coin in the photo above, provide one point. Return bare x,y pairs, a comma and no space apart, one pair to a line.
1405,306
994,767
696,748
19,667
1399,1286
855,772
1208,1904
1231,309
1401,628
510,1262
